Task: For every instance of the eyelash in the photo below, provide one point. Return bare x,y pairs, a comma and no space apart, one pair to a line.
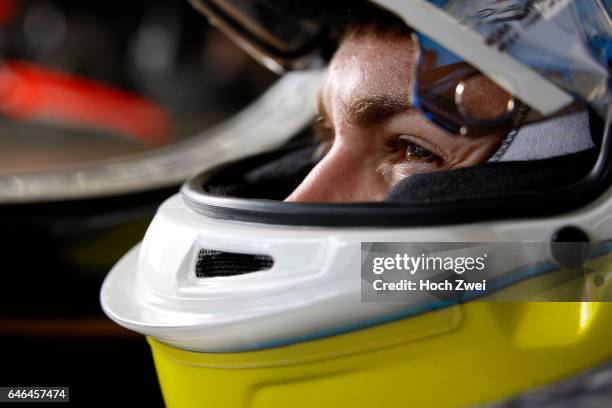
411,152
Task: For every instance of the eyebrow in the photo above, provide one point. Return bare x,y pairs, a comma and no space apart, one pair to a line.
374,109
370,110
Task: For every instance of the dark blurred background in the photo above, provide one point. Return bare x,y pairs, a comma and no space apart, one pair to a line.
82,82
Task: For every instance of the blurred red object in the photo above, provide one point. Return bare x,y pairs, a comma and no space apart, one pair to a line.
8,10
30,92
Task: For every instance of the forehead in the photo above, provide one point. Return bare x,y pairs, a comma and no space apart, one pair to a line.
369,64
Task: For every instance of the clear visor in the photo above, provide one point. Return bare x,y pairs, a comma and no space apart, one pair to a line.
450,92
546,59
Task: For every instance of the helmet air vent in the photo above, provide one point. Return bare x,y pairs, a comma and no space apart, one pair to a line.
212,263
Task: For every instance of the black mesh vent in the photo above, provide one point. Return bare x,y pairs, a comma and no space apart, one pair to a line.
213,263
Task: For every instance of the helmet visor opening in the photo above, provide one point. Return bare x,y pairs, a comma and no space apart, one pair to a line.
248,190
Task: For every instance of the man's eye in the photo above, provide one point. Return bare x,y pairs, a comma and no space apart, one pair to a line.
416,153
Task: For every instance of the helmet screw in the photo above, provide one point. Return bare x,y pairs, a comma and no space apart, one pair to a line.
598,280
570,246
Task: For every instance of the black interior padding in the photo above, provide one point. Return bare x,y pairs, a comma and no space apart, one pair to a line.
270,176
494,179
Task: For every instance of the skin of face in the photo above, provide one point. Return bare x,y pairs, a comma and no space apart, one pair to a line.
371,136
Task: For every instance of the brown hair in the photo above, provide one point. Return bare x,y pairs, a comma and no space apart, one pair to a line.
381,23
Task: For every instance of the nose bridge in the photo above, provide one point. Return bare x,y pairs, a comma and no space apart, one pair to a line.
335,178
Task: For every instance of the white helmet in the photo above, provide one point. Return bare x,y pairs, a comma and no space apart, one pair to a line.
226,265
